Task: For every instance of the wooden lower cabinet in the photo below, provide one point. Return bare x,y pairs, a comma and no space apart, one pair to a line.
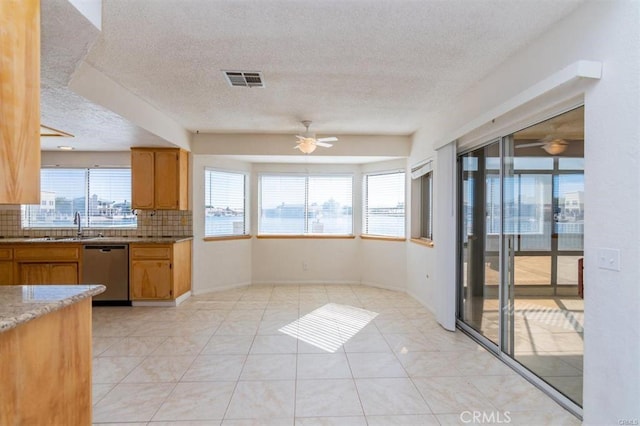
6,273
159,271
6,266
48,273
45,366
64,273
46,264
151,279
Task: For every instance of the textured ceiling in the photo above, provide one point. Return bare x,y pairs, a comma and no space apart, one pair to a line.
353,67
66,38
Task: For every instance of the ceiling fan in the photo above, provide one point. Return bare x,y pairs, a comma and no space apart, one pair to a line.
551,145
307,143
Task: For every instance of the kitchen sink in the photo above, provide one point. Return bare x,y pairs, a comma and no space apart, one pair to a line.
62,239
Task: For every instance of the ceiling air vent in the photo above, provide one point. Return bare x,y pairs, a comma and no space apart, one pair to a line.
244,78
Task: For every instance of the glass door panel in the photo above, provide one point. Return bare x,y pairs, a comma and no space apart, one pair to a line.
480,238
543,198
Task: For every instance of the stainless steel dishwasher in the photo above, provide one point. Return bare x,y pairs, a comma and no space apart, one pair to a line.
107,265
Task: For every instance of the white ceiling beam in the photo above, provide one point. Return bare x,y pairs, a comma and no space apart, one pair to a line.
577,71
283,145
97,87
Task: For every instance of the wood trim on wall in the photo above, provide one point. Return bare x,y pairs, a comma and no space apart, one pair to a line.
381,238
228,238
317,237
423,242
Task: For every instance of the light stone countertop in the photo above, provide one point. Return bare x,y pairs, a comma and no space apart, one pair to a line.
22,303
94,240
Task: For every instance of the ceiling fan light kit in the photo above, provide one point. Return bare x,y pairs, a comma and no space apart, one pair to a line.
308,142
555,147
306,145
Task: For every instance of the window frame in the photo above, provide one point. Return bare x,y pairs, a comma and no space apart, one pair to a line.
246,234
262,235
85,217
365,198
426,206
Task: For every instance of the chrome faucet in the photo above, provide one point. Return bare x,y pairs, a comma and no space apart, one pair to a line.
78,221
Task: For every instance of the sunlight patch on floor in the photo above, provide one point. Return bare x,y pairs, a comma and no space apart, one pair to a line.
329,326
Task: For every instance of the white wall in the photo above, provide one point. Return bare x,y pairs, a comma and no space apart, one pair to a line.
384,263
216,264
607,32
293,260
421,259
86,159
327,260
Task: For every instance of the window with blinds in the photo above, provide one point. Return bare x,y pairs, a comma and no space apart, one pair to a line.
225,203
101,196
422,201
384,204
426,208
306,205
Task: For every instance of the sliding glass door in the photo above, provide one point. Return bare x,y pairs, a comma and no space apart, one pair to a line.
479,231
521,243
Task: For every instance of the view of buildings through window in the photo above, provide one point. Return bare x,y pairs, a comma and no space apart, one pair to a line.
101,196
542,194
298,205
384,204
224,201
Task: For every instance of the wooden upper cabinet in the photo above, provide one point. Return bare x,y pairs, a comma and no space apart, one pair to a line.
142,177
20,102
167,180
159,178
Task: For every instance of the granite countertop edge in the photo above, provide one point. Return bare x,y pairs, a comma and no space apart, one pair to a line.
14,313
96,240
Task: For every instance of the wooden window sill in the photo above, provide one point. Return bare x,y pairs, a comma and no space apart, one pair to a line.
423,242
318,237
228,238
382,238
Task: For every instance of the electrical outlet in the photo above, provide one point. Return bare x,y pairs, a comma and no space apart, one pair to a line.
305,267
609,259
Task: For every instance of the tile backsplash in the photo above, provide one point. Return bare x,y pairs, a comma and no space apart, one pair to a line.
151,223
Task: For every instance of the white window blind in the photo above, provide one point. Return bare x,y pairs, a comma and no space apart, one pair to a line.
384,205
300,205
101,196
224,199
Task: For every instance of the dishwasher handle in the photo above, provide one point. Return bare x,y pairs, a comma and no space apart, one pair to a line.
105,249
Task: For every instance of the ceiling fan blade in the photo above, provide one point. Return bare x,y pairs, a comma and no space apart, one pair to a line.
528,145
300,137
296,147
330,139
323,144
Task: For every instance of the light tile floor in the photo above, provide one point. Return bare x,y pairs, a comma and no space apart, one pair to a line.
220,359
549,338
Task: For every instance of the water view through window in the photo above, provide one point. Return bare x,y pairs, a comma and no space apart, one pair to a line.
297,205
101,196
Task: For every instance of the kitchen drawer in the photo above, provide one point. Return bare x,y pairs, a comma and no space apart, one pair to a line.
150,252
49,252
6,254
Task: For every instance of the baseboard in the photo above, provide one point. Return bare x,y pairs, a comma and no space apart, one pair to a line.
161,303
382,286
422,302
221,288
302,283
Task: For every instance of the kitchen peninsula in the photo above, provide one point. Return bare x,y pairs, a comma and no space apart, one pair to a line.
45,354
